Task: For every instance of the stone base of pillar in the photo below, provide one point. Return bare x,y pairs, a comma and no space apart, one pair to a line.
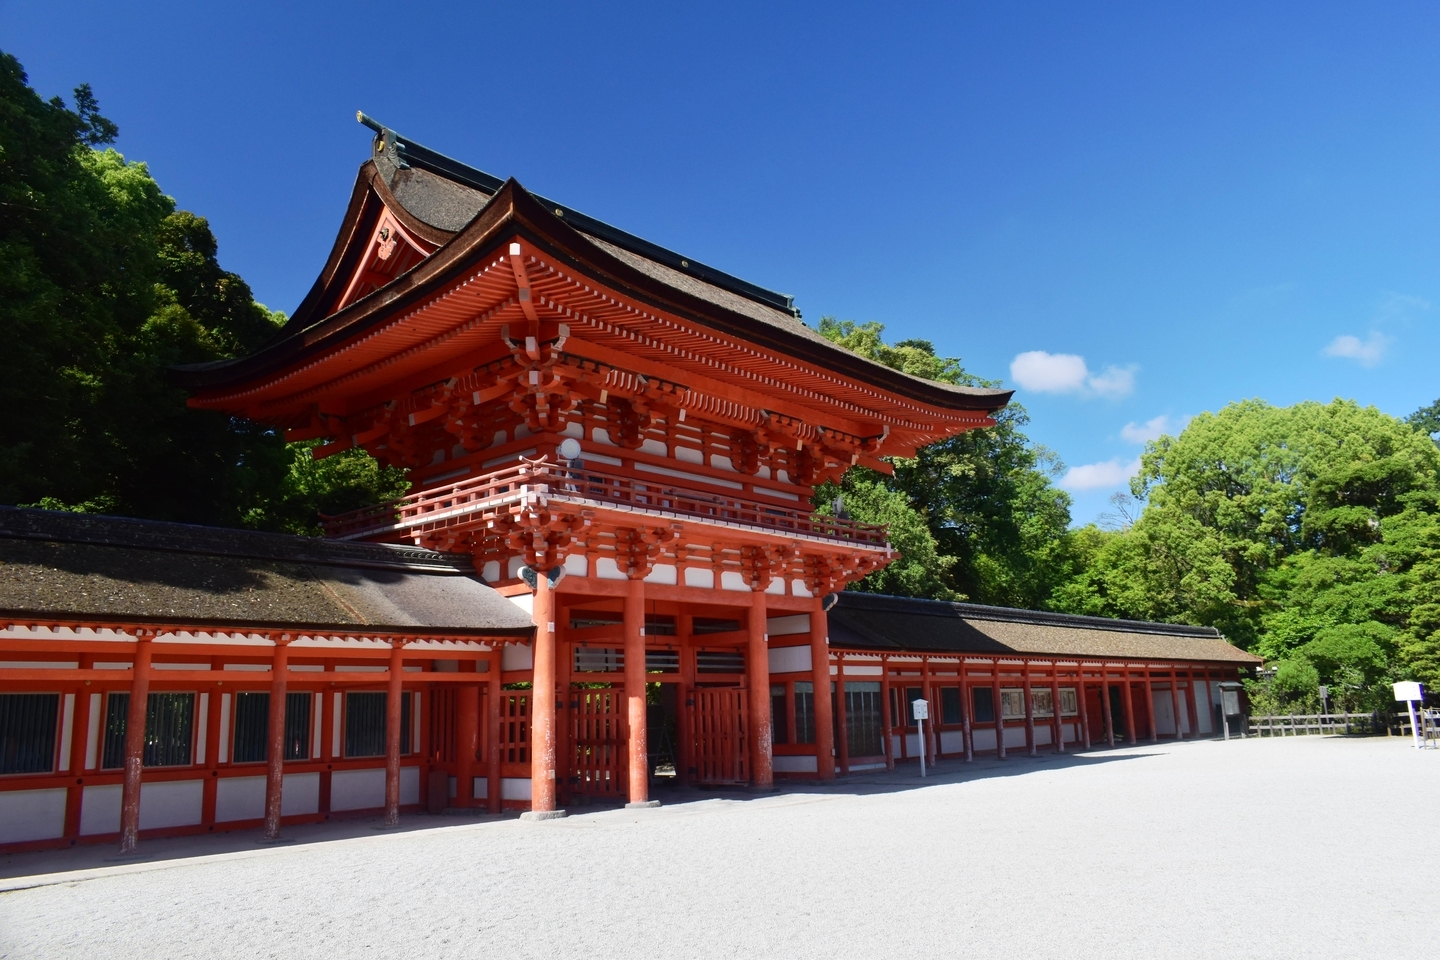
642,805
534,815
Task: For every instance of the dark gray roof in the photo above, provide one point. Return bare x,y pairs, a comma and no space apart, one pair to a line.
866,621
81,565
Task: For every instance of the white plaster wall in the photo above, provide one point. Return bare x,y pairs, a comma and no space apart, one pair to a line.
662,573
952,741
798,588
300,794
700,577
525,601
790,659
777,586
517,656
788,626
512,567
984,739
792,764
1204,716
409,785
1042,733
912,745
240,798
576,565
481,788
655,447
34,815
688,454
491,571
1014,737
1164,712
173,803
732,580
357,789
607,569
866,766
861,670
514,788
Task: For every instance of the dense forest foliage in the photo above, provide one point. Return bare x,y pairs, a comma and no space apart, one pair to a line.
1309,534
104,285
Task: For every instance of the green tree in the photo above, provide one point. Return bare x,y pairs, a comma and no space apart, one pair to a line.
104,286
1309,534
995,525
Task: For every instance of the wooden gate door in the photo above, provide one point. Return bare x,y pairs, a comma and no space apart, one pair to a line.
721,752
598,735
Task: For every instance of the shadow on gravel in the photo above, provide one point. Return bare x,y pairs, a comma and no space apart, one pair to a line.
906,776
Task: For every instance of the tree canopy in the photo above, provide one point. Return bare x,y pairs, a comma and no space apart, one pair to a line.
104,285
976,517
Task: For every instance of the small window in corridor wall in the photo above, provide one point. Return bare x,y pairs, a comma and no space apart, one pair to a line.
365,724
1069,705
950,705
1012,703
780,731
169,722
27,732
804,711
252,727
984,704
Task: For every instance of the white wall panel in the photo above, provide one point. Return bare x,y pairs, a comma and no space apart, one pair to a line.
100,809
791,764
515,788
790,659
239,798
34,815
300,794
1205,716
984,739
517,656
357,789
170,803
409,785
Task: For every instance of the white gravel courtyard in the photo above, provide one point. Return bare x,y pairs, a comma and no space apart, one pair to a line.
1304,847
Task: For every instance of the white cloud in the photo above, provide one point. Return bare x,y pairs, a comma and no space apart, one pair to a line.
1068,373
1049,372
1114,382
1152,429
1367,352
1098,476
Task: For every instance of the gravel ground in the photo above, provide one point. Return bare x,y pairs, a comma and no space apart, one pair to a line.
1303,847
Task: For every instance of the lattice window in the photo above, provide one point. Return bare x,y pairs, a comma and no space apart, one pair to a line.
169,726
27,732
804,711
863,720
950,705
365,724
984,705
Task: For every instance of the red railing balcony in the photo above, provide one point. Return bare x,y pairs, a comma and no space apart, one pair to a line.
469,500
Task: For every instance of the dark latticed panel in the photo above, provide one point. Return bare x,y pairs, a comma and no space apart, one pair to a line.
719,661
365,724
252,727
297,725
169,730
863,719
27,732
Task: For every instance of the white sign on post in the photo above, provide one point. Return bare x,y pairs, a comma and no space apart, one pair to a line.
1409,692
920,709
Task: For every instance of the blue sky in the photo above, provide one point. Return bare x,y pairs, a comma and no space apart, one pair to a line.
1132,212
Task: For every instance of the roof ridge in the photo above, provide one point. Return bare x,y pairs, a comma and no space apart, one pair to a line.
411,153
21,523
976,611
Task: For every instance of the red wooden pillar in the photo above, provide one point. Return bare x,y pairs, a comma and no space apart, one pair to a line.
842,720
79,739
275,751
998,709
135,743
1175,702
1057,719
685,764
393,703
467,738
965,707
1129,704
820,679
1080,703
639,753
210,790
886,713
542,700
1029,714
1209,701
1191,707
1108,715
758,665
930,742
493,696
1150,707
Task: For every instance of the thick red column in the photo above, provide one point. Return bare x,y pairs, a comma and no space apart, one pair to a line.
79,736
493,695
1082,706
1057,719
820,677
758,667
965,708
543,794
393,720
275,752
1128,702
467,739
135,744
998,710
1029,714
638,756
1175,702
842,729
887,713
1150,707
